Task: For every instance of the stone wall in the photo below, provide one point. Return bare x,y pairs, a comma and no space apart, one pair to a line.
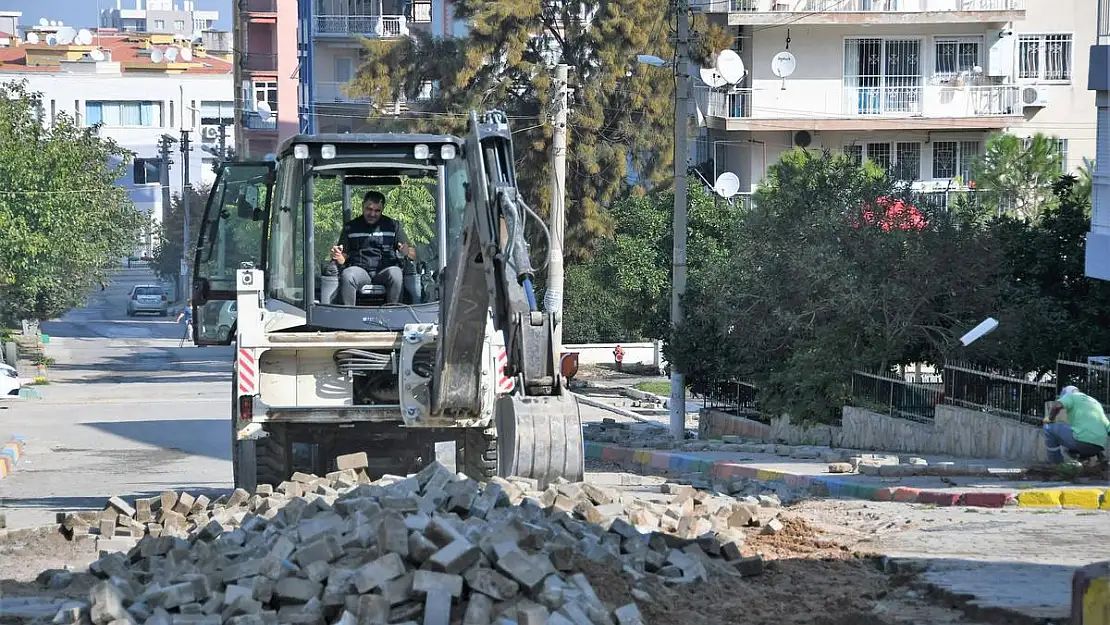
955,431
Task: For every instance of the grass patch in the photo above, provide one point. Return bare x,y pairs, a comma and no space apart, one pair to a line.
655,388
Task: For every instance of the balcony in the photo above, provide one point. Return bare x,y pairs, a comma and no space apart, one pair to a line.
852,12
260,11
263,63
370,26
863,108
252,121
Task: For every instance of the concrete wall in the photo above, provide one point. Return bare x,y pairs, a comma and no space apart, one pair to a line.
602,353
955,432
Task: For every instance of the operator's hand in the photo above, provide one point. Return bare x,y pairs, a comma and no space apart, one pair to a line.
337,254
405,250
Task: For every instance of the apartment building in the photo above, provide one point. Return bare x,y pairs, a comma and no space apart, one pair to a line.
914,85
164,17
1098,239
138,98
298,57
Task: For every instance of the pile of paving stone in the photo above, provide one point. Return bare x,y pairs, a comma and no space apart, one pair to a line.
433,548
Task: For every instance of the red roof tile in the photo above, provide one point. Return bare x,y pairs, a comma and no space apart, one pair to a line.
123,51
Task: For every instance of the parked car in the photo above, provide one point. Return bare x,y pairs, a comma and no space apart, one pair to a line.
148,298
10,382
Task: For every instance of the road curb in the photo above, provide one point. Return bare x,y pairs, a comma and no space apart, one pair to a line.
10,455
670,462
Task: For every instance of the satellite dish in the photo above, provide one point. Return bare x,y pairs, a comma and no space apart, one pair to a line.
727,185
97,54
712,77
156,56
54,23
730,66
66,35
186,54
171,54
43,21
32,38
264,110
51,39
84,37
783,64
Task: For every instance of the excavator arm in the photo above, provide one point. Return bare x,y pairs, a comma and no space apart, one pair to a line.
539,426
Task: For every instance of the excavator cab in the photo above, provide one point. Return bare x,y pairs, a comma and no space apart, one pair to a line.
466,355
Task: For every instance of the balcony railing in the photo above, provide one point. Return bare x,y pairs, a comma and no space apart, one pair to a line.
333,92
253,62
924,101
253,121
865,6
258,6
360,26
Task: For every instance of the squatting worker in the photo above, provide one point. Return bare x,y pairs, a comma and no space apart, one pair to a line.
1083,430
370,250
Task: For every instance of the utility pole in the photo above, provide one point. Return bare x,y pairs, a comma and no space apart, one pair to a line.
678,284
185,149
553,298
164,154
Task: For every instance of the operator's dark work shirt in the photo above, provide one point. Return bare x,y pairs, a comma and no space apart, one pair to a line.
371,247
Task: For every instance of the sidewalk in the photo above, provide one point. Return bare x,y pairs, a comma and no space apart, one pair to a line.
813,476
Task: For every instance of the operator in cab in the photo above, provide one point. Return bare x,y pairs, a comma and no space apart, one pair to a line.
371,249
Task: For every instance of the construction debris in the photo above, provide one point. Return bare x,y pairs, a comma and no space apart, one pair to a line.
433,548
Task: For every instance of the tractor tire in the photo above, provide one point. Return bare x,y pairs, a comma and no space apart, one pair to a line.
480,453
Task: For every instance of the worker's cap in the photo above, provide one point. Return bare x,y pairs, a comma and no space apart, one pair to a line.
1068,390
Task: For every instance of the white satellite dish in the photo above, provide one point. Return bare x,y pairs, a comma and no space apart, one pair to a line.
264,110
51,40
84,37
55,23
66,35
730,66
783,64
97,54
979,331
727,185
186,54
32,38
156,56
712,77
171,54
43,21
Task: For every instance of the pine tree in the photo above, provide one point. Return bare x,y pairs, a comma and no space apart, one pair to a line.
621,114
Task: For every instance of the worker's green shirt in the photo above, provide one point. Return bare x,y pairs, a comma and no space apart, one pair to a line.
1087,419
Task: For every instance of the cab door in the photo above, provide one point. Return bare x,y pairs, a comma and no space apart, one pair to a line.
232,232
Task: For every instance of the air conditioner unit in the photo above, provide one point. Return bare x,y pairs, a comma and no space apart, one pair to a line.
1034,96
210,132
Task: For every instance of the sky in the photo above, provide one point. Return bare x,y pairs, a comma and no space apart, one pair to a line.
82,13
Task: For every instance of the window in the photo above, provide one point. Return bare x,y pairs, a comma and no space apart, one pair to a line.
421,12
855,153
1044,57
344,69
883,76
953,55
901,159
954,158
123,113
179,26
213,113
159,24
147,170
1062,148
266,91
907,163
284,279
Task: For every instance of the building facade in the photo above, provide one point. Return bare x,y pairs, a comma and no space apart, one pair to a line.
298,57
914,85
164,17
137,100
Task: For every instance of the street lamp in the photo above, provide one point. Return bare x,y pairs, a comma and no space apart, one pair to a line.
678,263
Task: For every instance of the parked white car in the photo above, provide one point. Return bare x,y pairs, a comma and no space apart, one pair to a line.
10,382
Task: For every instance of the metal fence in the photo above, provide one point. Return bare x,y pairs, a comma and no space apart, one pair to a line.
1006,396
897,398
738,398
1091,378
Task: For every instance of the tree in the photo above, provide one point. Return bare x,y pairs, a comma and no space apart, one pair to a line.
63,221
817,285
621,115
166,256
1015,175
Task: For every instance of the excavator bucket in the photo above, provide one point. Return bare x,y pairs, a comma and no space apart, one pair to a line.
540,437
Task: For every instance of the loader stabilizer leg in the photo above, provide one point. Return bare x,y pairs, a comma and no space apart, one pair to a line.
540,437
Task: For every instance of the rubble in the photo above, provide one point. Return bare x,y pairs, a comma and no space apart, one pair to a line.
433,547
